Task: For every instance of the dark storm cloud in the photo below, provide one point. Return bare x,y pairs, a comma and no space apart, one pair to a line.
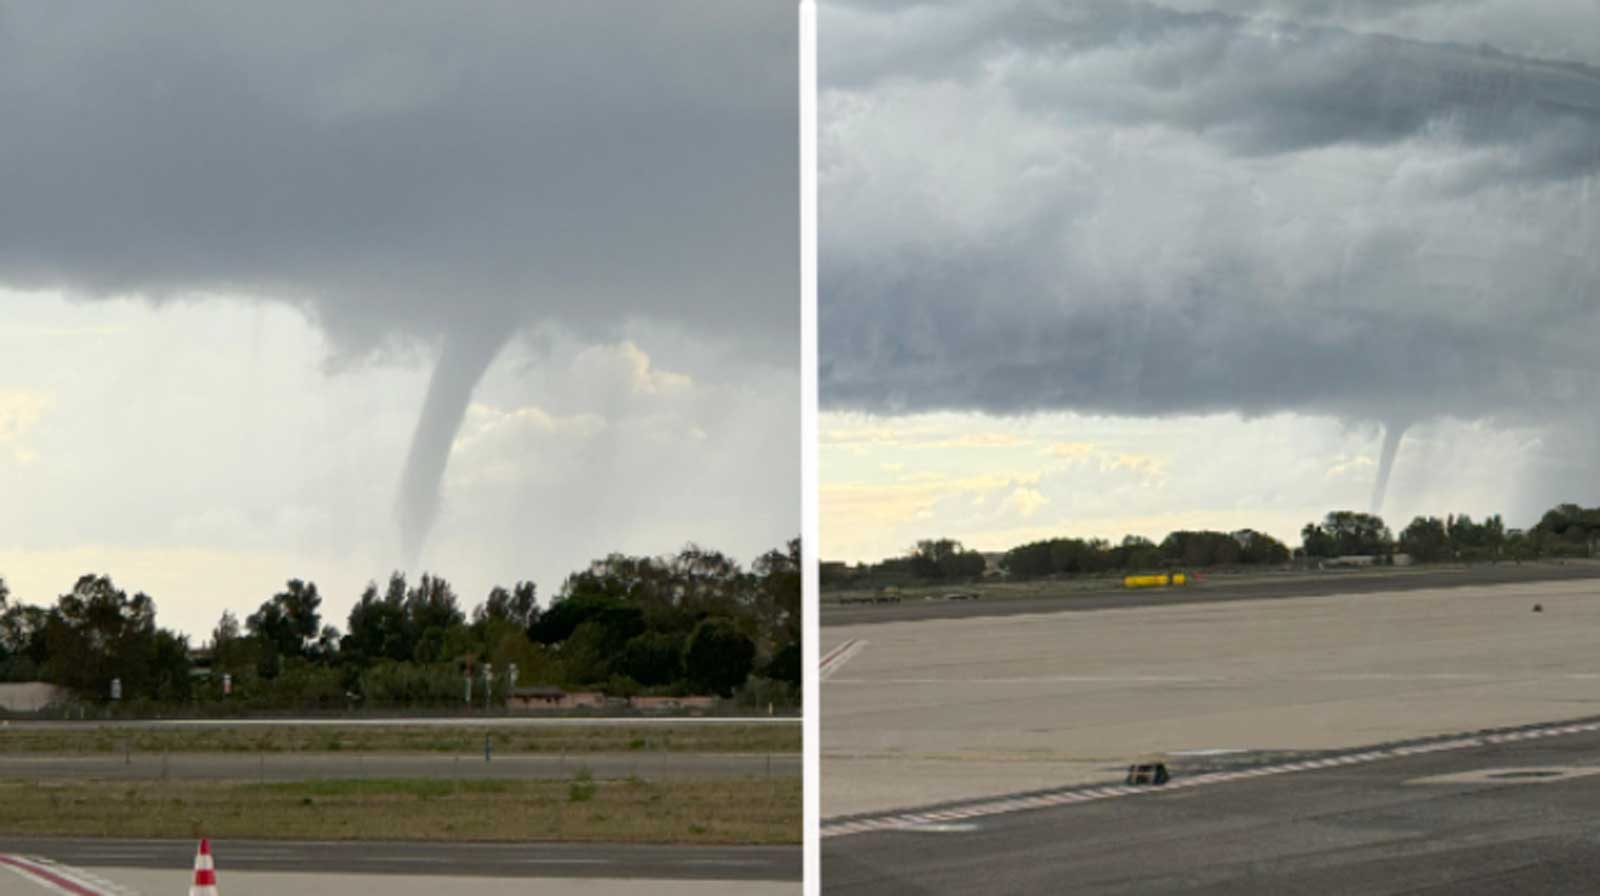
442,172
1302,217
402,166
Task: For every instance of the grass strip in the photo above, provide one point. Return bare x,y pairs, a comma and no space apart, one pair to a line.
747,811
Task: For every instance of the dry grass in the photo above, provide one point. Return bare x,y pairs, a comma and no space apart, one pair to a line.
91,738
752,811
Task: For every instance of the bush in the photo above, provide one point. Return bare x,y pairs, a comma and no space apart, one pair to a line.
719,657
759,693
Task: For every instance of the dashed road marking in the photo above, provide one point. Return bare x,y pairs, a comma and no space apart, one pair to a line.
911,821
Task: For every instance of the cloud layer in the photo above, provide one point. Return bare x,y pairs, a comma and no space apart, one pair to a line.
1372,211
414,172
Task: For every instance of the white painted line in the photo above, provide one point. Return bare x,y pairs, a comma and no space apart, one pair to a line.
837,657
59,878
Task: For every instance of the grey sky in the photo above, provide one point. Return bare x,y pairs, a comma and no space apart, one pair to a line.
554,197
1367,211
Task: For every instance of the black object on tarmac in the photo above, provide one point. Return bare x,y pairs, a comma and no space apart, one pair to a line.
1151,773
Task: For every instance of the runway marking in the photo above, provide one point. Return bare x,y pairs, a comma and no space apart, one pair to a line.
837,657
61,879
911,821
1544,775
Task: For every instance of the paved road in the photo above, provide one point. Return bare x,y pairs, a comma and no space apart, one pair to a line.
1213,591
515,860
416,722
303,766
1428,823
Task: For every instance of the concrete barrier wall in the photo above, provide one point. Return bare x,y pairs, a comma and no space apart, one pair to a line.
30,696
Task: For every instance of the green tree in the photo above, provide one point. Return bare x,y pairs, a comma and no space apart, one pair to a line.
652,659
778,582
286,625
785,665
1203,548
1259,548
1426,539
1135,553
378,627
718,657
945,558
22,640
97,633
519,606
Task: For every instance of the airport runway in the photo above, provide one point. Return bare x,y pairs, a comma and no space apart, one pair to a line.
508,860
1516,816
1221,588
952,709
311,766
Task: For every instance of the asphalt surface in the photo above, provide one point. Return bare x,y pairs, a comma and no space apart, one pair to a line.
1388,826
310,766
1216,590
525,860
414,722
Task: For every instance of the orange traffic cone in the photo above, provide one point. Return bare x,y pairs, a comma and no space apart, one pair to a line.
205,876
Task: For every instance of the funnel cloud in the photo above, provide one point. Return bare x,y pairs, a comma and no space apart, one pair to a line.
463,360
1393,433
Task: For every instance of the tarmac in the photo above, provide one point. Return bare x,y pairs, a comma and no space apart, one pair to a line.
1507,815
244,868
949,709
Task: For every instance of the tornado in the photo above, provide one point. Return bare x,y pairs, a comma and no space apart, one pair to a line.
1392,433
465,357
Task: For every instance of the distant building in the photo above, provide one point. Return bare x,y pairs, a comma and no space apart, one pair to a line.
671,704
548,698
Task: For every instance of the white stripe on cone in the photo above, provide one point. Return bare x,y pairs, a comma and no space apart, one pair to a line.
205,874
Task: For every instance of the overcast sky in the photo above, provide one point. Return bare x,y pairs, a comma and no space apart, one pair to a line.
1213,248
489,289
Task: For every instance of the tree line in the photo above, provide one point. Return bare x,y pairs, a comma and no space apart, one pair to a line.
1567,530
696,622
